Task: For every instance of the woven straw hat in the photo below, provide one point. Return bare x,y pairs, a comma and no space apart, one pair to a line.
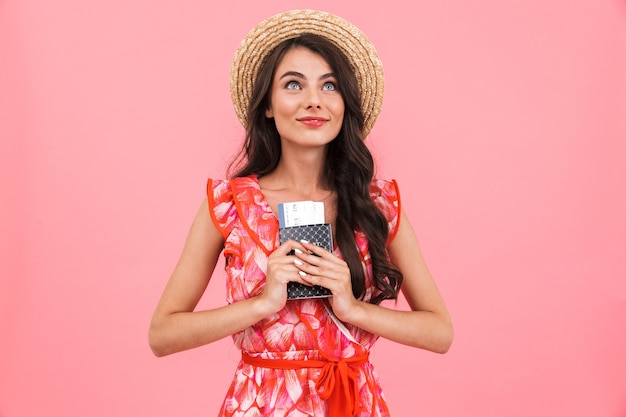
261,40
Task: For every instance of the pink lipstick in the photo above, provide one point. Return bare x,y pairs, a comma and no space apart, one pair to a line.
313,121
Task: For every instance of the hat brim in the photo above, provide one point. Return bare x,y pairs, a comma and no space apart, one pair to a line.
267,35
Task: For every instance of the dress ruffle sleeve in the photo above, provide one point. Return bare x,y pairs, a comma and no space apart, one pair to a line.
386,195
223,210
221,205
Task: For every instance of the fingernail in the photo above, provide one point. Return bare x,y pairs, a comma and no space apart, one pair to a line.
298,251
302,273
297,262
304,241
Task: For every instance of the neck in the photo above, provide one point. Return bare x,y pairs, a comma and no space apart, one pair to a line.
301,171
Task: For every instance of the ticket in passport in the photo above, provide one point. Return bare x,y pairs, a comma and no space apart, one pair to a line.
300,213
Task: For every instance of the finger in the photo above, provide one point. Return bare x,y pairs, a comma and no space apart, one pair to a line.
304,278
313,260
290,269
287,247
317,275
325,273
322,281
327,260
286,273
320,252
313,248
301,273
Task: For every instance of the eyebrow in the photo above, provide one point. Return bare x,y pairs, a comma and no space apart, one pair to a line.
300,75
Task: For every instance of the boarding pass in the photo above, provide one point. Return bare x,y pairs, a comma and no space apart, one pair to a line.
300,213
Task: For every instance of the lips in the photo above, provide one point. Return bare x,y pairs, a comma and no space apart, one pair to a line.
313,121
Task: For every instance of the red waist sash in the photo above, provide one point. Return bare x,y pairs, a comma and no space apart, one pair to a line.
337,383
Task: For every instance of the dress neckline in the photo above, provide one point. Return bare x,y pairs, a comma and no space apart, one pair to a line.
255,212
253,182
267,208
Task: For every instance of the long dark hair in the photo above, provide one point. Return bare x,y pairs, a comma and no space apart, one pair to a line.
349,167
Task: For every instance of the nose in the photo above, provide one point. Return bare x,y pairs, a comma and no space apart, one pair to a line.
313,99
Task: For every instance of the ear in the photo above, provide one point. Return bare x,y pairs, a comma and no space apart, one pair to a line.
269,113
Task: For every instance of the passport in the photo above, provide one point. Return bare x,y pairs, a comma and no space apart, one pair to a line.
318,234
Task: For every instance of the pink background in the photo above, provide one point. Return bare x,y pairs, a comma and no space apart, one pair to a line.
504,124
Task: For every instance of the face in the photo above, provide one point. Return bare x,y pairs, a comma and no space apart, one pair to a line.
305,100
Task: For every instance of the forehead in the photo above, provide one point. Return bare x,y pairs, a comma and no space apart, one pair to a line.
304,61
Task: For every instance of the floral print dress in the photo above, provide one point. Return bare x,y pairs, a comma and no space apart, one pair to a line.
303,329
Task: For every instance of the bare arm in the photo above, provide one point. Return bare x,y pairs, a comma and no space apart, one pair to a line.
427,325
175,326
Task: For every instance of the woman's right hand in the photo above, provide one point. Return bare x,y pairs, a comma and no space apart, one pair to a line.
281,269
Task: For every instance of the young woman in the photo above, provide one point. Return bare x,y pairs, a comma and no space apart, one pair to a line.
307,86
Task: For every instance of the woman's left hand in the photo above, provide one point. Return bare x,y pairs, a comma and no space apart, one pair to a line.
321,267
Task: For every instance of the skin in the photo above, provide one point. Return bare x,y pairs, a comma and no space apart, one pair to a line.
303,88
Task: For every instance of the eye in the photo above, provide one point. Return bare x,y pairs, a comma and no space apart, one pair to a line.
328,86
292,85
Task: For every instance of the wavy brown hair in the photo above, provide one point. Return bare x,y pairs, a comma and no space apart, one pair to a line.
349,167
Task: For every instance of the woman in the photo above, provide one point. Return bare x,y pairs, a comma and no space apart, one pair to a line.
307,86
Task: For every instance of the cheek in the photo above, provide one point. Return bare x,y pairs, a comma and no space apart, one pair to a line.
337,108
284,106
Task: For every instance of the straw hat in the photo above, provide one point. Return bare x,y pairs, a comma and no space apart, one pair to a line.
261,40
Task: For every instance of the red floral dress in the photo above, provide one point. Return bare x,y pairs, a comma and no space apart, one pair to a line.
304,329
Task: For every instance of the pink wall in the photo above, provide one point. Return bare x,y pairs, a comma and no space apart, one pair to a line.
503,123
